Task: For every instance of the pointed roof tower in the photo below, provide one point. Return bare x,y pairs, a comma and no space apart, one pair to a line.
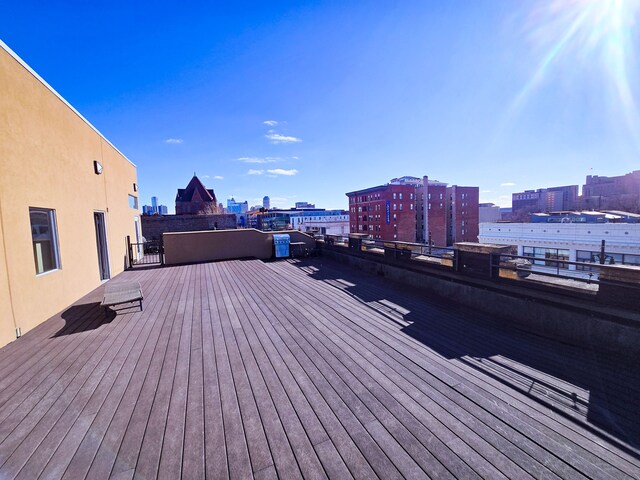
196,199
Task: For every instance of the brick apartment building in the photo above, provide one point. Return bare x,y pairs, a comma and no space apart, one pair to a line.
386,212
431,212
462,214
415,209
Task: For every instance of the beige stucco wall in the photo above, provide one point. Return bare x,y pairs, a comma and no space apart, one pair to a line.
46,160
207,246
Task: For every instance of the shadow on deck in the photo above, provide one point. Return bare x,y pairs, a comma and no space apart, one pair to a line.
589,389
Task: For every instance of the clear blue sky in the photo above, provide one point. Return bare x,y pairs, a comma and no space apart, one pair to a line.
500,94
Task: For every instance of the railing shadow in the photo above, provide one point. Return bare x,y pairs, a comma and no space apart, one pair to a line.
597,391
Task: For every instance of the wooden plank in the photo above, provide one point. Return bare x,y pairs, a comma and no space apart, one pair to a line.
131,445
139,390
298,382
451,336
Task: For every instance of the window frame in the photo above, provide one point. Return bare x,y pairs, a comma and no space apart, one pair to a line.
54,245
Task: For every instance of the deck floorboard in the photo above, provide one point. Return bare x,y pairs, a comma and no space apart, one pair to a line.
305,369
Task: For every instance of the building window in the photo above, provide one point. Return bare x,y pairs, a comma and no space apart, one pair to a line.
429,206
44,236
400,206
411,206
133,202
400,195
411,196
394,206
440,196
429,196
394,195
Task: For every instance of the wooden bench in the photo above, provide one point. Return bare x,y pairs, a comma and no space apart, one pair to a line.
122,292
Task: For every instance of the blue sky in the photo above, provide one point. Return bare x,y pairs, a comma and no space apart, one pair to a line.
500,94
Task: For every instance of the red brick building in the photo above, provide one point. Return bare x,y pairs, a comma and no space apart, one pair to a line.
386,212
196,199
412,209
462,214
431,209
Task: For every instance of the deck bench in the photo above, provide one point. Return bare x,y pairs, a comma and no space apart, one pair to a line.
122,292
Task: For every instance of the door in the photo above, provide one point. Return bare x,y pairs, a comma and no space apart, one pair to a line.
101,242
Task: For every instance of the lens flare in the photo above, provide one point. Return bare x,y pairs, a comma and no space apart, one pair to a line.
587,34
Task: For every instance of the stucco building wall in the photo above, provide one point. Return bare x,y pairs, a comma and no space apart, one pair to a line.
47,152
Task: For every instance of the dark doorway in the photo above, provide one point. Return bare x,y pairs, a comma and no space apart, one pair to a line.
101,241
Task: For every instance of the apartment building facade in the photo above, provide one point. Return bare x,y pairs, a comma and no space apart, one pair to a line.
386,212
68,200
413,209
462,214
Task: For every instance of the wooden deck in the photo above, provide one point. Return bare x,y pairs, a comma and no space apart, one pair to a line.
305,369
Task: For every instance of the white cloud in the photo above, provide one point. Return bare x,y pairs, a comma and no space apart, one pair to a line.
508,184
255,172
271,123
206,176
218,177
174,141
282,171
276,138
258,159
485,191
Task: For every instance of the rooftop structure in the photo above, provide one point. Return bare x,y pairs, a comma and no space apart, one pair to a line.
68,200
570,241
612,216
348,375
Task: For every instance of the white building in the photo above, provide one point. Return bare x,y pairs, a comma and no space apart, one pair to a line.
574,242
328,222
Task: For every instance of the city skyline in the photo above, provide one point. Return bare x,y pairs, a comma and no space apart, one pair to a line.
291,101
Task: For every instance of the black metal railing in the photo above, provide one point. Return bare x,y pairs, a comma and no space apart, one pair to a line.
150,252
397,249
526,265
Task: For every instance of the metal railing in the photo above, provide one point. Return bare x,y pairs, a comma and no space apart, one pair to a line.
397,248
525,265
150,252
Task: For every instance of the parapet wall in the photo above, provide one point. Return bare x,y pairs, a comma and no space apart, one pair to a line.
153,226
207,246
576,320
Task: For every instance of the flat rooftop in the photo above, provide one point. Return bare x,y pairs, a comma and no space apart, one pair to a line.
305,369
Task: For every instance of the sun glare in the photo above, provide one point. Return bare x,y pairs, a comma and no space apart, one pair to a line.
594,34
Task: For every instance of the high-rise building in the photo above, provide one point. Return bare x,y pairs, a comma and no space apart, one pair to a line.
544,200
619,193
266,202
154,208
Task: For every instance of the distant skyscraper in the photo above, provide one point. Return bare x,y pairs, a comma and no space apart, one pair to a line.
266,202
154,204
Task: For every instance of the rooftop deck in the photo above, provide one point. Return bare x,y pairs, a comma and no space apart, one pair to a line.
305,369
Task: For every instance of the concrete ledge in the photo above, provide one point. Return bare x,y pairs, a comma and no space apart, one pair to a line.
580,322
